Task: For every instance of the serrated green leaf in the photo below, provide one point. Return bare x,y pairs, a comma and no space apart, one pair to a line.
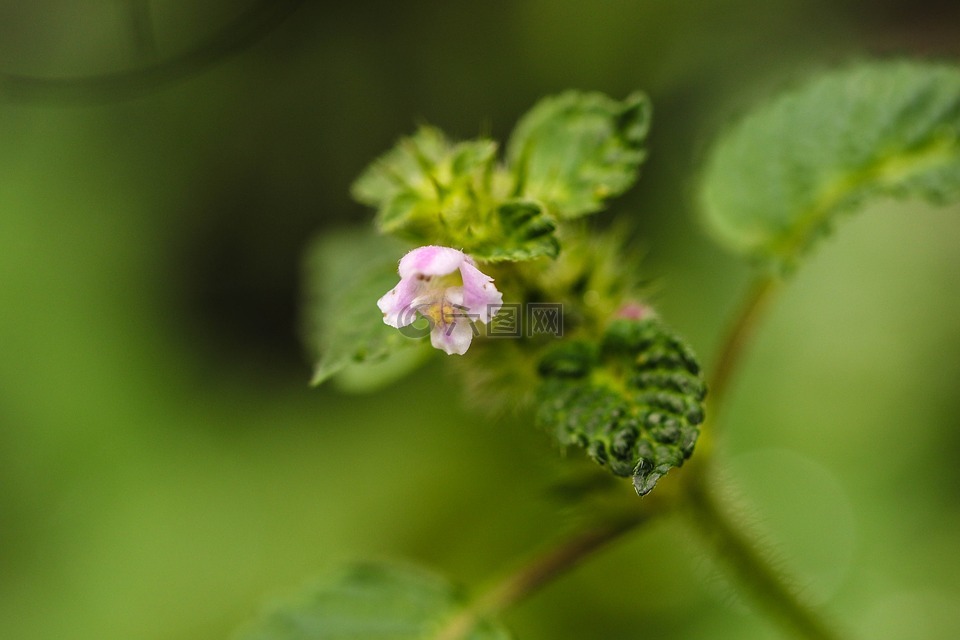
576,150
402,169
428,189
775,182
523,231
346,273
633,402
568,155
370,602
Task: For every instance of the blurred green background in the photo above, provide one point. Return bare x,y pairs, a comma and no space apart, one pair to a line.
164,467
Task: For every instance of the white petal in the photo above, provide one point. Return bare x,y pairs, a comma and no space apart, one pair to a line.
453,338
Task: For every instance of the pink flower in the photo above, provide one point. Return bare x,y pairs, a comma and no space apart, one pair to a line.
444,286
636,311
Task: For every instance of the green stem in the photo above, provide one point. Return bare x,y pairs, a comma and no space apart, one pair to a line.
745,558
740,332
733,544
539,571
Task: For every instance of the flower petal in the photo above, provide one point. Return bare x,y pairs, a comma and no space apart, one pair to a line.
453,338
430,261
480,296
397,304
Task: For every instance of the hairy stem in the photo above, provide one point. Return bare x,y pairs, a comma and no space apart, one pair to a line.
744,557
734,545
738,335
536,573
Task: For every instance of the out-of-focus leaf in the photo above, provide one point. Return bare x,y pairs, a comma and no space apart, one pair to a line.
575,150
370,602
775,183
633,402
346,273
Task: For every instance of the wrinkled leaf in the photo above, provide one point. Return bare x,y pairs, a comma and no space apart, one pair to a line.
575,150
775,182
567,156
369,602
523,231
346,273
428,189
633,402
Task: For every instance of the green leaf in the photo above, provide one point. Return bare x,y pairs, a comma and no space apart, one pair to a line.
774,184
633,402
567,156
575,150
428,189
523,231
370,602
346,273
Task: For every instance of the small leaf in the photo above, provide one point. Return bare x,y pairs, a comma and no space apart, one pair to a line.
775,182
370,602
568,155
428,189
523,231
575,150
633,402
402,169
346,274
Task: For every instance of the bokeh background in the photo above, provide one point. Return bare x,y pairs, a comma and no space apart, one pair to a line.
164,466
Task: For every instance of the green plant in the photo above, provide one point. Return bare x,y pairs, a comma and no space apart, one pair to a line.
478,233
